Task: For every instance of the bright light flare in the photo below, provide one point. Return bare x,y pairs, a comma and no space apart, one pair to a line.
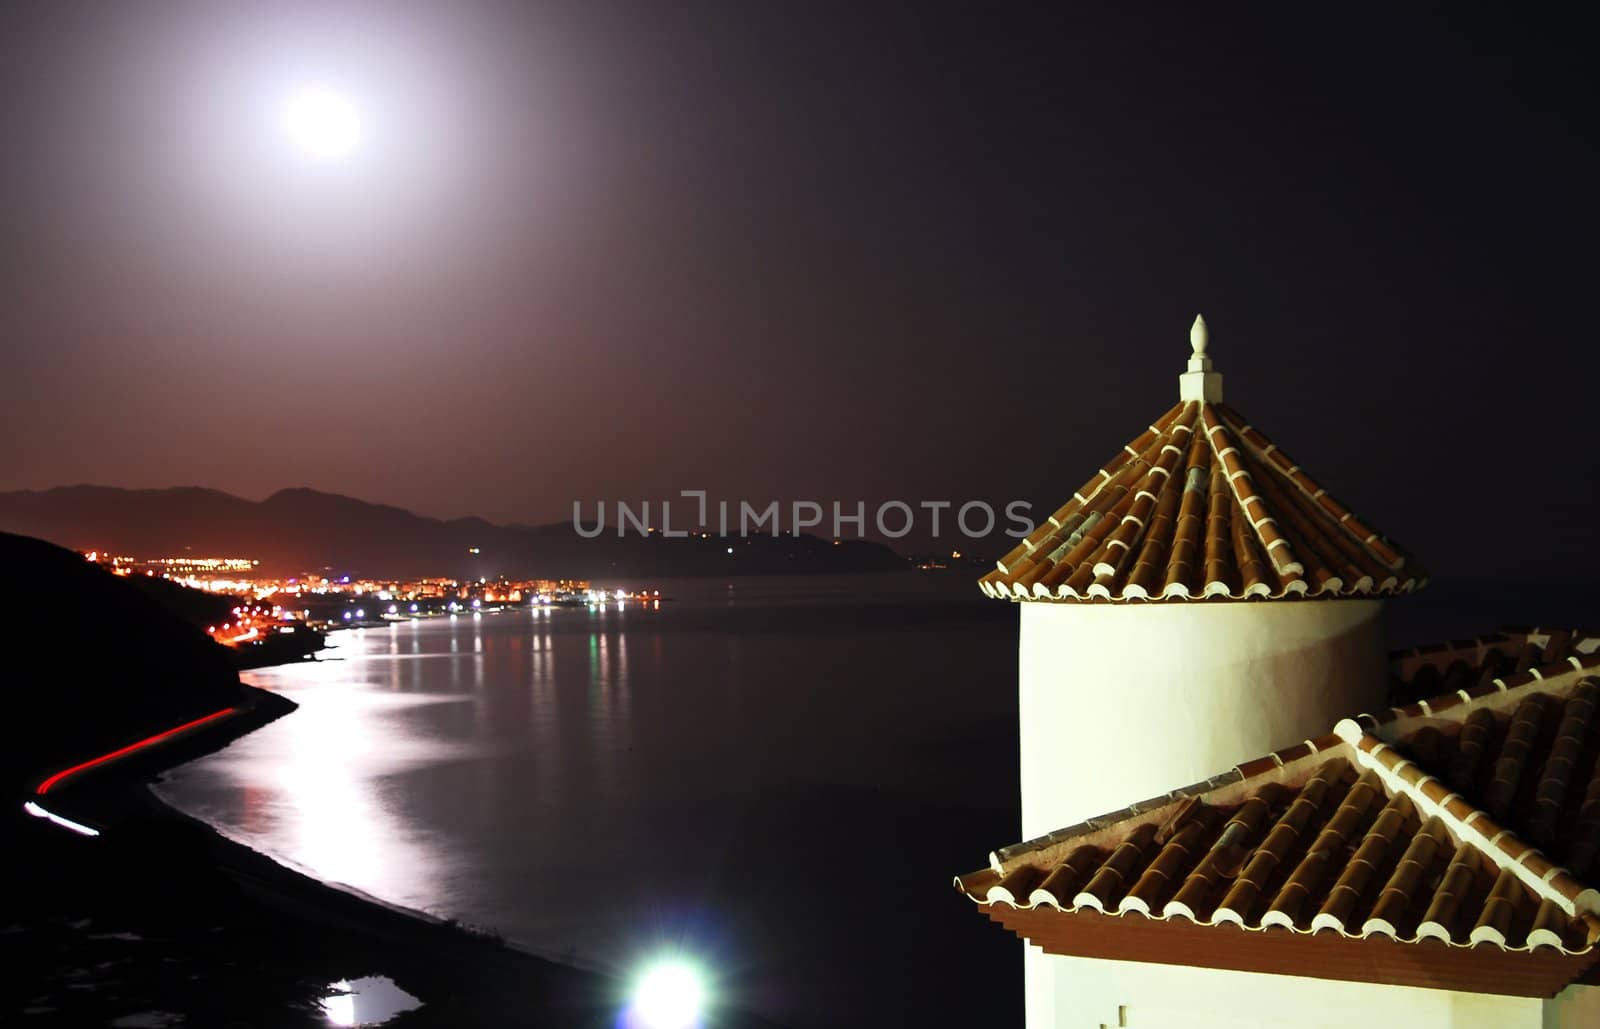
670,995
322,123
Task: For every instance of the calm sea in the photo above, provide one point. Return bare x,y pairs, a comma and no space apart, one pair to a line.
778,777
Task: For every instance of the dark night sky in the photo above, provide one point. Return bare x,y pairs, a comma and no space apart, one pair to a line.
783,250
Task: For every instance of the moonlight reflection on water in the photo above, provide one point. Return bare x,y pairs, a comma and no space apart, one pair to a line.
603,785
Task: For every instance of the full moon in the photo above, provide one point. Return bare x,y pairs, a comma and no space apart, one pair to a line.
322,123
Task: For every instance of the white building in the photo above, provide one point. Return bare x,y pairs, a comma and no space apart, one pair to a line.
1202,600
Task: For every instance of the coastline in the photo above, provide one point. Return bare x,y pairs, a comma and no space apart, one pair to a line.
164,920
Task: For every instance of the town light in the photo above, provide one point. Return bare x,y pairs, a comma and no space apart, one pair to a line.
669,995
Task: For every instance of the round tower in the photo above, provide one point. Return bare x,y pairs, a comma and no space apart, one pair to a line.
1199,602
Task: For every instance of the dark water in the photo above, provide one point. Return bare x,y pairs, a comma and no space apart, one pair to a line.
778,777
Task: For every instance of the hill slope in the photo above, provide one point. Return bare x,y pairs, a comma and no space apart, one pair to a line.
110,664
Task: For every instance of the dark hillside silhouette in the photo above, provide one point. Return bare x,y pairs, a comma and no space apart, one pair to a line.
98,662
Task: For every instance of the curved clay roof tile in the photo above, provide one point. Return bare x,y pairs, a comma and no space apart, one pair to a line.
1201,506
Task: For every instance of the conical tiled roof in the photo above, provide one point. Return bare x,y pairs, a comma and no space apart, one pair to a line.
1202,506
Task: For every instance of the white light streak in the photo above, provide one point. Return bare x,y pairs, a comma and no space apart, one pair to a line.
66,823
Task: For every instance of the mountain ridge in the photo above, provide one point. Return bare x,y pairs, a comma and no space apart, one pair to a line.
299,529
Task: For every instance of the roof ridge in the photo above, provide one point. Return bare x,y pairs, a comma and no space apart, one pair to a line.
1342,561
1025,556
1089,489
1148,575
1359,531
1133,526
1265,526
1346,731
1090,537
1450,646
1549,676
1470,823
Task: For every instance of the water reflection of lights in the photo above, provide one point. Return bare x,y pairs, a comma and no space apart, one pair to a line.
341,1007
549,704
340,750
371,1000
319,778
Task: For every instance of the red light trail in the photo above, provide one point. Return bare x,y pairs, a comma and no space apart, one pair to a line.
45,786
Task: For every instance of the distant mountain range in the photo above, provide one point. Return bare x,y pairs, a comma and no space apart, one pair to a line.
303,530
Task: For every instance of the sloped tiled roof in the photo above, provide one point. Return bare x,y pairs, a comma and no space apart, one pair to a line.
1202,505
1471,820
1466,663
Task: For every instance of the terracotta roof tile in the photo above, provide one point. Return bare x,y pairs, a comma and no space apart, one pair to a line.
1533,769
1201,506
1471,823
1330,853
1328,849
1245,898
1395,910
1511,657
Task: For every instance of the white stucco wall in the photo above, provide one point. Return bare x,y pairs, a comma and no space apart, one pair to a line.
1089,994
1121,702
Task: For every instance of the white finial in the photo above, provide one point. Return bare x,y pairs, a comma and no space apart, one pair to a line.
1199,336
1200,382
